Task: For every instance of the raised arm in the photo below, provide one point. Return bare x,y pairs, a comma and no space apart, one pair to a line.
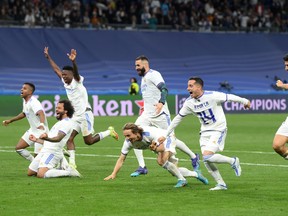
72,57
54,66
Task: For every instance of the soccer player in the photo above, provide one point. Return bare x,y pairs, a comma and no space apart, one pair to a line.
52,152
156,112
281,136
206,105
77,94
147,138
33,111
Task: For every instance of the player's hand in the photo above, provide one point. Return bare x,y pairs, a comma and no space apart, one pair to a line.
32,138
46,53
153,146
247,106
109,177
41,127
161,139
72,55
279,83
43,136
6,122
158,108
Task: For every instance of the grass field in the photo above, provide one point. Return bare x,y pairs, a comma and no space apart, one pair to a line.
261,189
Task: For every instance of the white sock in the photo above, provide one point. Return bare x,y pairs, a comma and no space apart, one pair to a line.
139,156
104,134
184,148
218,158
187,173
25,153
212,169
64,164
54,173
173,170
72,156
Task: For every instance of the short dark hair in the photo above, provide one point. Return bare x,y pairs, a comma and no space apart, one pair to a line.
31,85
197,80
285,58
134,79
142,58
68,67
133,127
68,107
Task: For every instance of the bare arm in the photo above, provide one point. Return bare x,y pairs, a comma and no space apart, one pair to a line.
41,115
57,138
72,57
282,85
117,167
54,66
16,118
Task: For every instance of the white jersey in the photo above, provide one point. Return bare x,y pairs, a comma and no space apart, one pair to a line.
30,108
64,126
149,134
208,109
77,94
151,94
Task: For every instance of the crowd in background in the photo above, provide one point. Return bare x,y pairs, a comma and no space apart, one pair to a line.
197,15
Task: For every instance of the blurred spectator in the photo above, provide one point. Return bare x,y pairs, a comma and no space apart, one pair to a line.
134,87
196,15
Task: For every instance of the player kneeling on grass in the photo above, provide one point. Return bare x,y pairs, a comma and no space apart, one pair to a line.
147,138
51,154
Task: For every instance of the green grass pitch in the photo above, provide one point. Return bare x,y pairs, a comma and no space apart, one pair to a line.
260,190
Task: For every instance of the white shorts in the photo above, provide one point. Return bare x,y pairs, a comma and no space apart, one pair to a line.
84,123
49,160
170,144
283,129
37,146
162,121
213,141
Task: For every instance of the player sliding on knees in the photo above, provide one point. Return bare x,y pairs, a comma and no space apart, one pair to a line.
147,138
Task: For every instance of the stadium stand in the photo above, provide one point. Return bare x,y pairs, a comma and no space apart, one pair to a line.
248,62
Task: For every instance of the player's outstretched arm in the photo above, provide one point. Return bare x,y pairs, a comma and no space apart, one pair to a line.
54,66
72,57
117,167
16,118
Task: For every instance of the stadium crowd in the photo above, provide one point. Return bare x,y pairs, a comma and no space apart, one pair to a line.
197,15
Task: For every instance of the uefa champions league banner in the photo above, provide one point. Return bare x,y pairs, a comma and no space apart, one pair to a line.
271,103
127,105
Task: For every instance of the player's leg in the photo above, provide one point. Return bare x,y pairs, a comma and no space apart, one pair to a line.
280,140
279,145
21,146
34,165
163,161
87,128
195,174
208,148
71,148
142,169
195,158
47,165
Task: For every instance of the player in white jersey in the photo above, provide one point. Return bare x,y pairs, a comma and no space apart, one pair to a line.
33,111
45,163
77,94
206,105
146,137
156,112
281,136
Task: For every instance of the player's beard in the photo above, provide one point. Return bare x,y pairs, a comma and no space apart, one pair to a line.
141,72
59,115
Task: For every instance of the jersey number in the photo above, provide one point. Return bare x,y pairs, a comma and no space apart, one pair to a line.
207,116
